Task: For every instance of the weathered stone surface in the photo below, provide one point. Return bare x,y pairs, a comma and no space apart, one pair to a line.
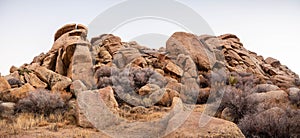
171,67
148,89
294,94
168,96
49,61
4,85
107,95
15,94
66,28
82,66
34,81
112,43
271,95
264,88
214,128
56,81
174,86
90,106
77,86
185,43
104,55
70,35
126,56
13,69
273,62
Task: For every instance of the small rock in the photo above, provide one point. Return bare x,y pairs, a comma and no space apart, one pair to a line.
171,67
273,62
138,110
13,69
168,96
148,89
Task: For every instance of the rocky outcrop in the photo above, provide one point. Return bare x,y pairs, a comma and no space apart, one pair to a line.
136,83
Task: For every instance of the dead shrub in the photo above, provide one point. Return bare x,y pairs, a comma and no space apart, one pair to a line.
271,124
41,101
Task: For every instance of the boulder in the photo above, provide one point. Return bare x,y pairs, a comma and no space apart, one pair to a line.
189,44
71,36
34,80
56,81
148,89
82,66
112,43
125,56
264,88
214,128
294,95
49,60
95,106
173,68
4,85
15,94
107,95
273,62
271,95
168,96
13,69
76,87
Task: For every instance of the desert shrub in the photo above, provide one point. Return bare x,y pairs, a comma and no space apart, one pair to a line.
41,101
234,96
126,82
271,124
236,101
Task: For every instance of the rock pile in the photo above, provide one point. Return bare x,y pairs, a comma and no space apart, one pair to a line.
133,80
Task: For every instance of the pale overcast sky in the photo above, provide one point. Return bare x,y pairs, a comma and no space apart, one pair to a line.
267,27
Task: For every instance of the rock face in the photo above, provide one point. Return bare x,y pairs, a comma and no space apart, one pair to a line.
215,128
111,83
181,42
4,85
15,94
82,66
56,81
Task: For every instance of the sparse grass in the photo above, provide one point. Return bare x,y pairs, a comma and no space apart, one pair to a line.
28,121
